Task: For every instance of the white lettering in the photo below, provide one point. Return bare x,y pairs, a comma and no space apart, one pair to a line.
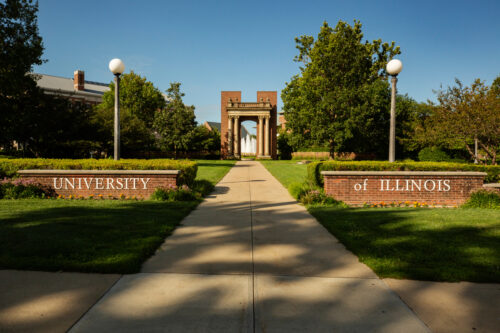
109,183
433,185
407,188
99,184
134,180
365,183
357,187
126,183
397,186
119,184
418,185
446,183
382,184
79,183
60,182
87,184
145,182
67,182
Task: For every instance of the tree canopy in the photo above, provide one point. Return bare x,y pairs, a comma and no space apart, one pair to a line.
464,114
175,124
21,47
340,97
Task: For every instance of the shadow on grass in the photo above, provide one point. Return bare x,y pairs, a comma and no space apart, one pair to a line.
421,244
85,236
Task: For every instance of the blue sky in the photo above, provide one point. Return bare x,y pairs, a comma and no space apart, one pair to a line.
211,46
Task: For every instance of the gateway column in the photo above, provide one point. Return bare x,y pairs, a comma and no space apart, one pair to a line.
230,136
261,137
236,136
266,141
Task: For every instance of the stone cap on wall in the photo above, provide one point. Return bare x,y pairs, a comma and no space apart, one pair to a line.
403,173
99,172
492,185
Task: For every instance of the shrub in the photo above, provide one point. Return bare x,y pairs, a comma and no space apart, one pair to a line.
188,169
172,193
433,154
483,199
202,187
318,197
314,169
23,189
297,190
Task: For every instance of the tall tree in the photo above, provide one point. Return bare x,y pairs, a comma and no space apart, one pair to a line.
340,96
140,100
137,95
465,114
175,124
21,47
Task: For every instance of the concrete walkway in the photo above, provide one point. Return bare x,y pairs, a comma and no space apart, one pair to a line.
249,258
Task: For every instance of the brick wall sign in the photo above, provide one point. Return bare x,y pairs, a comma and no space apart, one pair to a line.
434,188
108,183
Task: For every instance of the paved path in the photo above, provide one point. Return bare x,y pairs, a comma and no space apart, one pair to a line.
249,259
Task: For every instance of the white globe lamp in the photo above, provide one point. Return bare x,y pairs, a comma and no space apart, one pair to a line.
393,68
117,67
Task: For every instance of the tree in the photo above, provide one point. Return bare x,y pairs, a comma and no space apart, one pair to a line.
21,47
140,100
340,96
137,95
204,140
465,114
175,124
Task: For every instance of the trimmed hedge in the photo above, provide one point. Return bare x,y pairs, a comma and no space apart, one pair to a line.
9,167
314,169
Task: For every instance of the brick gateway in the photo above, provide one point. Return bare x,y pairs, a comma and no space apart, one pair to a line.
438,188
108,183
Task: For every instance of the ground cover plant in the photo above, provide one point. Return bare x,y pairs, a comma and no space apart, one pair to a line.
106,236
436,244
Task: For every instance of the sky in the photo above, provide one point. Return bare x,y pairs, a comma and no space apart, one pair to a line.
211,46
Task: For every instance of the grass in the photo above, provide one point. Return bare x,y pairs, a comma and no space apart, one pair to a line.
421,244
287,172
105,236
213,170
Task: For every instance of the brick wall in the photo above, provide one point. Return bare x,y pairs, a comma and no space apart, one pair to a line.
224,98
108,183
438,188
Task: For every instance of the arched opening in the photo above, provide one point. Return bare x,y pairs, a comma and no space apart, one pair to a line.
248,138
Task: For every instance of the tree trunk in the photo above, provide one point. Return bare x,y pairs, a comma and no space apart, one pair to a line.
469,150
332,149
491,152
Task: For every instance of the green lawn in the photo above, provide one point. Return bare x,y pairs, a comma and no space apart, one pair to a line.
213,170
106,236
424,244
287,172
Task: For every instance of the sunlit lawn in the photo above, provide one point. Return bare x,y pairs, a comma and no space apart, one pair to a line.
287,172
107,236
437,244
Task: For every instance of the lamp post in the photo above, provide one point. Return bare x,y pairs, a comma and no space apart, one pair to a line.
393,67
117,67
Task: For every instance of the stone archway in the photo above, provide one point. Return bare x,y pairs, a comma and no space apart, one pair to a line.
234,112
